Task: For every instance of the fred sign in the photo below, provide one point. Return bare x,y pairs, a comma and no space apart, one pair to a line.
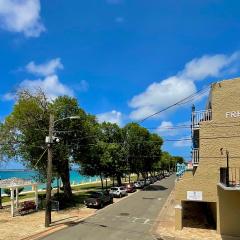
233,114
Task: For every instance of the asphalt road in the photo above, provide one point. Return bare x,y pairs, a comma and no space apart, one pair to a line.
129,219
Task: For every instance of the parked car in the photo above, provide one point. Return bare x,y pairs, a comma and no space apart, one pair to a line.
151,180
118,191
166,174
142,182
98,199
148,181
138,184
130,187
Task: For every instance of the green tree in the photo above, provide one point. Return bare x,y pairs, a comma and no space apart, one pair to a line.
106,157
25,129
137,145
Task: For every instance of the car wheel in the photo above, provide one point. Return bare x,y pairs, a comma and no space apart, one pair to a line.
101,205
120,195
111,201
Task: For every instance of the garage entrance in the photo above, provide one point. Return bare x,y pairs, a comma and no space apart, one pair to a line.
199,214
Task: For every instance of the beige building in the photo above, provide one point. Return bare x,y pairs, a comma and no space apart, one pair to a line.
212,188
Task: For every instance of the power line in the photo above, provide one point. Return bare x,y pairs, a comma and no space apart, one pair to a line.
188,98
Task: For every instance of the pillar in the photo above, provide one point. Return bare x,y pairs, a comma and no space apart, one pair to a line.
178,216
17,197
36,196
12,201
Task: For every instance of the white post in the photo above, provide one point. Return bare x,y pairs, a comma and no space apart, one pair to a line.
17,197
12,201
36,196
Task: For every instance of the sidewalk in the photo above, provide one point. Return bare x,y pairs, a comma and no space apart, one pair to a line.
164,227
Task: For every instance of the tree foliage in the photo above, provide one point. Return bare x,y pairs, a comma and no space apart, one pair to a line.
104,150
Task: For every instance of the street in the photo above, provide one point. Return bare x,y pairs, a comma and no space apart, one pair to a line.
129,219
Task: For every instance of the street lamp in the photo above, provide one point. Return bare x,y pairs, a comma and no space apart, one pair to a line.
49,141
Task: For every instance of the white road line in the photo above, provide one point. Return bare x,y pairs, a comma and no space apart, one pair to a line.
146,221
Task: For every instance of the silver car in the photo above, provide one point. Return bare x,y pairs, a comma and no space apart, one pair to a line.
118,191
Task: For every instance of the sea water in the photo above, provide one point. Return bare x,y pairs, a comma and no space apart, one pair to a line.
75,177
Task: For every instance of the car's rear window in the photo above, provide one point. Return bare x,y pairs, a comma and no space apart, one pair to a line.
114,188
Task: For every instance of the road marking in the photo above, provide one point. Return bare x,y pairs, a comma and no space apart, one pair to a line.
159,199
146,221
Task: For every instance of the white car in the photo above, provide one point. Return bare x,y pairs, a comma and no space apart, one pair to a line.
138,184
118,191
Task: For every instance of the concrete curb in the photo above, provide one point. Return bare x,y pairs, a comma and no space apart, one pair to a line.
153,230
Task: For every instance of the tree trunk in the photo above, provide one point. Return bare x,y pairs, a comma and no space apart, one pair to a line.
101,180
64,173
0,198
129,178
106,183
113,182
119,180
137,176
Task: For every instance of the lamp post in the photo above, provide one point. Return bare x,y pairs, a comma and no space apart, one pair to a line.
49,141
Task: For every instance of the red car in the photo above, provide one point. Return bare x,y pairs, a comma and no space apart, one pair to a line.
130,187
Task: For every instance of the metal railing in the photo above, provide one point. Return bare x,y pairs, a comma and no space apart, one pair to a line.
195,156
230,177
201,116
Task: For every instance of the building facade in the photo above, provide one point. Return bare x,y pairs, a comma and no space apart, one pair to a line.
215,178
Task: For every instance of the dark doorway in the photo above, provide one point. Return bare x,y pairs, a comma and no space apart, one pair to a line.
199,214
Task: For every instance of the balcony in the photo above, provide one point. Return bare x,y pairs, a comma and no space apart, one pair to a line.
200,116
230,178
195,157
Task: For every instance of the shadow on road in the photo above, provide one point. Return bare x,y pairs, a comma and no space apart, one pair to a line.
155,188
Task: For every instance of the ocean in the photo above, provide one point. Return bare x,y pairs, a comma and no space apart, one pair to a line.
75,177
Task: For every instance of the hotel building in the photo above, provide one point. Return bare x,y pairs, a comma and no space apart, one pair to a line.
212,187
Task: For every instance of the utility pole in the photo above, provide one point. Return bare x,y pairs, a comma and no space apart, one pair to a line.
49,172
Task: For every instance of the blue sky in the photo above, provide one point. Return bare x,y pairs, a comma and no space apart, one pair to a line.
122,59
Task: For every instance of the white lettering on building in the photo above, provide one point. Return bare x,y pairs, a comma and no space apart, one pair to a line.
233,114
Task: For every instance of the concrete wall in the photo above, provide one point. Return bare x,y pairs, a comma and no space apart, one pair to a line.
229,212
216,136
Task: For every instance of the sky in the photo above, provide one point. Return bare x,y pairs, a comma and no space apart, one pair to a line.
122,59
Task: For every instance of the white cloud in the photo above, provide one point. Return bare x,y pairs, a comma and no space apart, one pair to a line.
183,142
8,96
45,69
50,85
167,128
112,117
171,90
83,86
160,95
21,16
208,66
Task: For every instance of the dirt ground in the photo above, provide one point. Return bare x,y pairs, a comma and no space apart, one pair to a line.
31,226
164,228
